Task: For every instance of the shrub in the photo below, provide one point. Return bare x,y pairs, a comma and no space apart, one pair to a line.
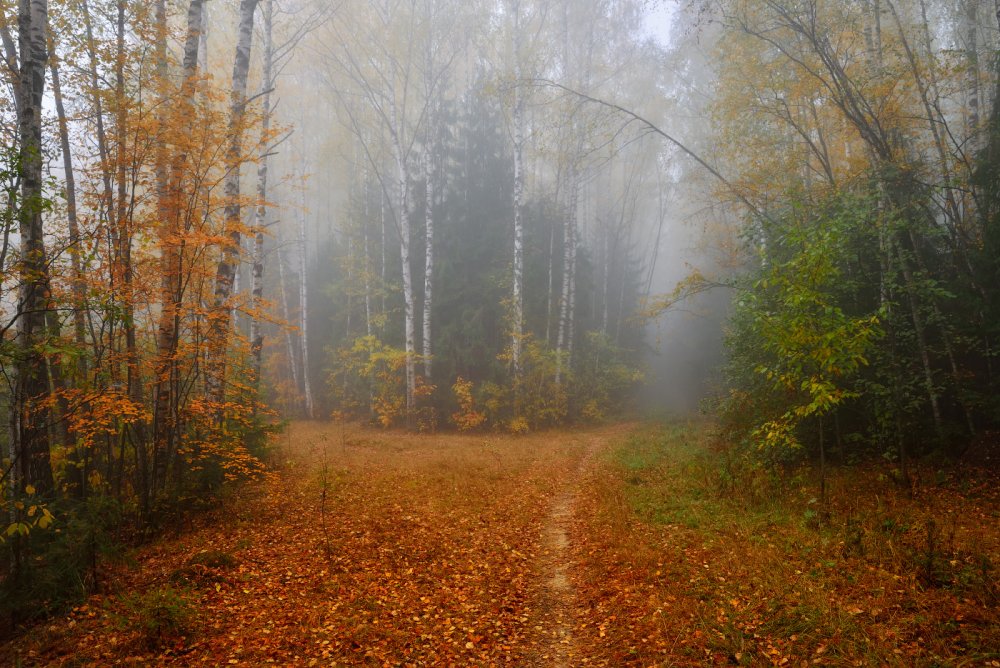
466,417
159,616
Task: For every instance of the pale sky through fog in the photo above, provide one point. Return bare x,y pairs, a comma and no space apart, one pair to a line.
658,21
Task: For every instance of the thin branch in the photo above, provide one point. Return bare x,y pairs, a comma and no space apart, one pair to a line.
655,129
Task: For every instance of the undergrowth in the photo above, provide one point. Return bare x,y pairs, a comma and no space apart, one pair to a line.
717,559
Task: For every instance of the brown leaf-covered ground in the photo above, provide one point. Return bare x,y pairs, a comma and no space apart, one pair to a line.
606,547
367,548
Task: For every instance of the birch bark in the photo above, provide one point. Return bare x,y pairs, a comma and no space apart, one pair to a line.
427,348
30,414
304,315
219,327
257,279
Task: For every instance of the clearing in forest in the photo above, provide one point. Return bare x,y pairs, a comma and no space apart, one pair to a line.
366,548
623,545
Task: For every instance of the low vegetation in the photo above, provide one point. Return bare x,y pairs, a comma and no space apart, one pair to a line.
624,545
693,554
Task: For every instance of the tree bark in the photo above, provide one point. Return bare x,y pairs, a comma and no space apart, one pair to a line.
76,264
257,281
304,314
171,290
30,414
409,329
293,364
971,19
77,473
517,298
564,337
220,323
427,347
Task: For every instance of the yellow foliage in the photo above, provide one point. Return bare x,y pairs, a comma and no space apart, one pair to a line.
467,417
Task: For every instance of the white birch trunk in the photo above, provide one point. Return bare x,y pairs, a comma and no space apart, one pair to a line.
367,259
427,349
409,329
349,315
382,259
220,330
517,326
606,283
30,414
517,298
260,222
293,364
304,316
564,338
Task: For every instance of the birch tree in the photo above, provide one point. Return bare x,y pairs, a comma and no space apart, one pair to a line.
304,311
260,221
379,45
29,414
219,327
174,207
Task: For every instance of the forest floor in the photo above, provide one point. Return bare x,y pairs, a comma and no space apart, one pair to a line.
621,545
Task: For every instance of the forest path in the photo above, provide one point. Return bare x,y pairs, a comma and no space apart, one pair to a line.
364,548
559,612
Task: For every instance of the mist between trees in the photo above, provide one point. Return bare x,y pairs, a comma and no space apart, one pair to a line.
432,214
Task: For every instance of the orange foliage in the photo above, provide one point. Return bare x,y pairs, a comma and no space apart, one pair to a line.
467,417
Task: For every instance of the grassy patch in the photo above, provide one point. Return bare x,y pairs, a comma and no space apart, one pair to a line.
697,556
158,617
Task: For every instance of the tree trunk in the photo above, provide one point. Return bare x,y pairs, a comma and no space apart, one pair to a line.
427,349
171,290
517,299
367,266
77,473
564,338
220,322
76,264
257,285
919,330
95,87
30,414
304,314
293,364
409,329
551,281
517,288
972,76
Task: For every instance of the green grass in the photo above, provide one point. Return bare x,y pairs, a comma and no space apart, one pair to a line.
758,567
672,477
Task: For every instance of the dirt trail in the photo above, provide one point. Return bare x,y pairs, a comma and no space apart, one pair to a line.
559,609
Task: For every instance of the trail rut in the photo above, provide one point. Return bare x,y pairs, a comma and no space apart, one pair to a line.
558,646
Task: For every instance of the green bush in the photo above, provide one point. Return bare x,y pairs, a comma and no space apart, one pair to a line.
160,616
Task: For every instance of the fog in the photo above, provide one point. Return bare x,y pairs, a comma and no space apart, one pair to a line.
353,206
369,83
